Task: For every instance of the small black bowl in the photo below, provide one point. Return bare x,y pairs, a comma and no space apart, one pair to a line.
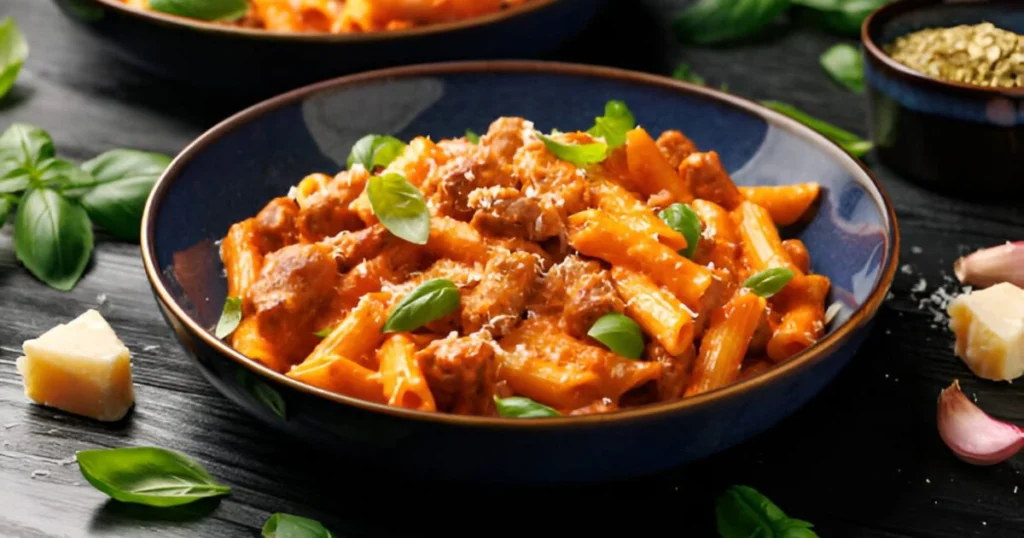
957,138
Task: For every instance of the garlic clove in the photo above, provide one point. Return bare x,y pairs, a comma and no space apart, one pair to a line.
972,434
993,265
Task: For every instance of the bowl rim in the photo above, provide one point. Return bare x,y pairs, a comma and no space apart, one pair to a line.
814,354
885,13
167,19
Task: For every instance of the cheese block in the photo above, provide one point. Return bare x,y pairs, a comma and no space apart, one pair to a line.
80,367
989,328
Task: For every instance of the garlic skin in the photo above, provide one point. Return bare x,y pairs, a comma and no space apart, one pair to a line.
972,434
993,265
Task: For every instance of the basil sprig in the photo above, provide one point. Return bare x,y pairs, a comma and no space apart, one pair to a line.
685,74
288,526
472,136
683,219
850,142
52,237
578,154
230,317
148,475
716,21
843,16
430,300
618,333
399,206
743,512
845,65
618,120
206,10
122,180
522,407
13,53
769,282
374,151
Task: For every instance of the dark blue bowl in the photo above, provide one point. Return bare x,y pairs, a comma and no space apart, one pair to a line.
230,172
259,63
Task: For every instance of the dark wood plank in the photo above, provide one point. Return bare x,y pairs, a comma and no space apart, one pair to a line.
862,460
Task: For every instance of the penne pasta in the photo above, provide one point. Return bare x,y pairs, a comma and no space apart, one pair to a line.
658,312
242,260
725,344
651,171
401,376
762,246
802,304
616,200
785,203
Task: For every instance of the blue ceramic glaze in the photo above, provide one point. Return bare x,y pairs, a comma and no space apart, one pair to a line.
233,170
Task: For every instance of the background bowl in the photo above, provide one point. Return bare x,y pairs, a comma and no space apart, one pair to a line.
958,138
261,63
230,172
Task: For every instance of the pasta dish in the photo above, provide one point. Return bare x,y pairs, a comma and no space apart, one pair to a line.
341,16
525,274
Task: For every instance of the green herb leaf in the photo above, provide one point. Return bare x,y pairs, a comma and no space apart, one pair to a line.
618,120
578,154
148,475
52,238
430,300
620,334
843,16
683,219
845,65
716,21
26,144
769,282
289,526
13,52
230,317
852,143
373,150
263,393
472,137
205,10
123,180
6,204
322,333
399,206
522,407
743,512
684,74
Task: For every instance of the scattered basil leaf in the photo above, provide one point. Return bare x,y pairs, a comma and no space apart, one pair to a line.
205,10
26,144
716,21
289,526
322,333
374,151
522,407
430,300
55,173
769,282
684,74
123,179
743,512
578,154
13,52
399,206
52,238
6,204
148,475
845,65
261,392
620,334
843,16
472,137
683,219
618,120
230,317
850,142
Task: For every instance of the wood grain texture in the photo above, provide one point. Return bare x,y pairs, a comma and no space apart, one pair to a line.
861,460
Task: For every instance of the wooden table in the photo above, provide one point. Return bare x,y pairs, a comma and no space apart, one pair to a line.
862,459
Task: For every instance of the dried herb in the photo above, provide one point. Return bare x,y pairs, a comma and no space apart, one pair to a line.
978,54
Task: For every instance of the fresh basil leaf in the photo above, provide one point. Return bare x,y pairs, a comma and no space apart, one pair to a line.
684,74
618,120
430,300
743,512
620,334
205,10
123,179
399,206
769,282
14,176
6,204
850,142
716,21
373,150
845,65
522,407
230,317
60,173
843,16
13,52
472,137
289,526
683,219
26,144
322,333
262,392
52,238
148,475
578,154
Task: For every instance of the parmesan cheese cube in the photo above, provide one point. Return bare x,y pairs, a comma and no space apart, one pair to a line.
989,328
80,367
